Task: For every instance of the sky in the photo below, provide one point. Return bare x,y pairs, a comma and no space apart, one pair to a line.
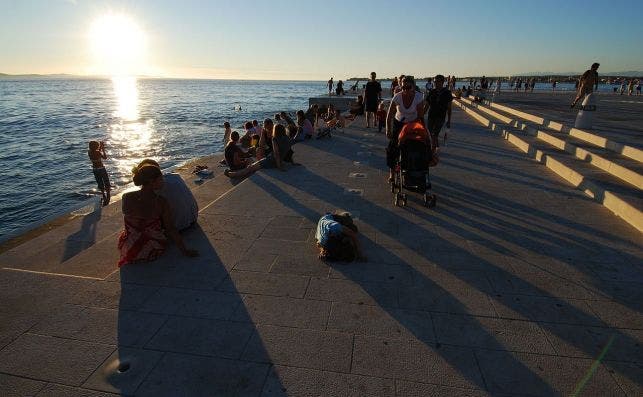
314,40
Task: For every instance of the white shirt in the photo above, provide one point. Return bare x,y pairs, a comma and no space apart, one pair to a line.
405,114
180,199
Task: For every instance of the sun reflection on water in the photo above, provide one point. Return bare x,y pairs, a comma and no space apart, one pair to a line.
130,135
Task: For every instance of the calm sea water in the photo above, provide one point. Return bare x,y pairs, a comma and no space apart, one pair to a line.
45,126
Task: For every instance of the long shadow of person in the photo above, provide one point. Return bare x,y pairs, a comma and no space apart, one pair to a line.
180,339
86,235
424,293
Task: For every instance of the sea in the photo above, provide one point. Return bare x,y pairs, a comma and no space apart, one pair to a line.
46,124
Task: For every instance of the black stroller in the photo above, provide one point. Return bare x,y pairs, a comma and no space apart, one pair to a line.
412,170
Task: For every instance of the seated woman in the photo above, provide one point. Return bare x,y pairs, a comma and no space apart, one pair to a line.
147,215
183,205
264,147
340,88
235,158
357,108
312,114
337,238
304,127
281,152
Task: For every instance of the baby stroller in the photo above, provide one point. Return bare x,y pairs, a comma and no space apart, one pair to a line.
415,147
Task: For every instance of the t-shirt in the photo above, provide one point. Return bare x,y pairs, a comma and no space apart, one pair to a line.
438,101
180,200
327,227
230,150
372,90
381,115
404,114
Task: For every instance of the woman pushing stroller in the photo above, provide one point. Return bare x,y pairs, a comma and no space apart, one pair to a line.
407,110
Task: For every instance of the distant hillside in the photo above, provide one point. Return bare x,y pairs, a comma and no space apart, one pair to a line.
39,76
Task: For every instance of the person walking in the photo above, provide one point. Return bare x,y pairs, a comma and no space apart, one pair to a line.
587,83
406,107
438,104
330,86
372,98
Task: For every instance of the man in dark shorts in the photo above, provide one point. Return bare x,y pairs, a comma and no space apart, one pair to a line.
372,98
438,103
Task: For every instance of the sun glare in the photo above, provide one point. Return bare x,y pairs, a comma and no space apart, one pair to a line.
118,45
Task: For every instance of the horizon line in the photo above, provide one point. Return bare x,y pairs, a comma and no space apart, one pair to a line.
632,73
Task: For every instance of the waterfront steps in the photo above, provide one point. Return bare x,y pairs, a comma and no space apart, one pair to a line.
594,164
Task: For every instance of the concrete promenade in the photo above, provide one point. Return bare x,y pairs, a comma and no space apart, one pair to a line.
515,284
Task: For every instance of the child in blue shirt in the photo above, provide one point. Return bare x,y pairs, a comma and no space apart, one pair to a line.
337,238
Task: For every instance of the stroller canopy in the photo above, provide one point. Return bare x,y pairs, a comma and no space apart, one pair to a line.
414,131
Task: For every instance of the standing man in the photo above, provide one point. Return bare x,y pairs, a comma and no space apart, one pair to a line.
372,98
429,85
587,83
438,103
330,86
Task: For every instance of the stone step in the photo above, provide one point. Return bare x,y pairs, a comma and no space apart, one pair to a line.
625,168
595,139
622,199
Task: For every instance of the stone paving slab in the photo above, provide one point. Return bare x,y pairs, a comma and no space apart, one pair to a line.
290,381
512,285
203,376
53,359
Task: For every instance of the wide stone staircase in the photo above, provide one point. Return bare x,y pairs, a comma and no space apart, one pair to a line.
608,171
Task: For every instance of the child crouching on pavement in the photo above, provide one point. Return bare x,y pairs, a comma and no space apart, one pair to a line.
337,238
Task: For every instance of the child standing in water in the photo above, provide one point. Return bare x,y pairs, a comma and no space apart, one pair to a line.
97,154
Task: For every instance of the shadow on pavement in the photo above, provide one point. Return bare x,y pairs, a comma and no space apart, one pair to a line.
191,334
423,291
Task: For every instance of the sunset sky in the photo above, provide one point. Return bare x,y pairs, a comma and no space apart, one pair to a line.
313,40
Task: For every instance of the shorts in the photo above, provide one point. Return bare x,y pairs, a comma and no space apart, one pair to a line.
372,104
267,162
101,178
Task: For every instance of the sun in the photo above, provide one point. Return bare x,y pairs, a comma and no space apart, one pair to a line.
118,45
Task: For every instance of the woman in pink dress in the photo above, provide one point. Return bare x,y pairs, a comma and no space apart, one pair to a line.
148,219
